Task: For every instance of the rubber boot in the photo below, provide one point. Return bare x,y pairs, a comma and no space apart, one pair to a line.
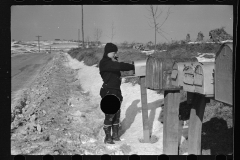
108,138
115,135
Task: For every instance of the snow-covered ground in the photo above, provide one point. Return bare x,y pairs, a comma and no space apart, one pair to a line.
131,108
210,42
24,47
206,57
131,115
91,82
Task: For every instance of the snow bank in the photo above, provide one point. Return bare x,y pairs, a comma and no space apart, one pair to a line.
148,52
131,115
209,57
32,46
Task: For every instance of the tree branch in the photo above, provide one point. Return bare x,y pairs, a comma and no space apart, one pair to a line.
163,36
168,13
159,14
163,31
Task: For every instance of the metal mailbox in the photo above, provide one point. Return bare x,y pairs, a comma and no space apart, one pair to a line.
223,76
140,67
159,72
177,73
188,78
203,78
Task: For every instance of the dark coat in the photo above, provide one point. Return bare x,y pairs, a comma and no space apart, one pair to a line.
110,72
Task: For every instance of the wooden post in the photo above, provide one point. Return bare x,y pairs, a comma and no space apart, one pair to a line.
195,124
171,122
180,128
146,132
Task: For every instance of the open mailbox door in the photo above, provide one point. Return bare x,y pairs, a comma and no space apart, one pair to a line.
140,69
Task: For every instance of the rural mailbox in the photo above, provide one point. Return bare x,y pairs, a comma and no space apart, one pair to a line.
177,73
159,72
140,69
188,77
223,76
203,78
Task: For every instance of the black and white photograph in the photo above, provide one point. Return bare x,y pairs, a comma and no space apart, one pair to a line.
122,79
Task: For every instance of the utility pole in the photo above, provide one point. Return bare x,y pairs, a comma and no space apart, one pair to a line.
38,43
82,29
78,37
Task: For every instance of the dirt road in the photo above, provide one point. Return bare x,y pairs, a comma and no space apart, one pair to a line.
25,67
53,116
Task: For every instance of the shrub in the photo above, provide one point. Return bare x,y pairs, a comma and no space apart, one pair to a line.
133,80
90,60
219,34
174,46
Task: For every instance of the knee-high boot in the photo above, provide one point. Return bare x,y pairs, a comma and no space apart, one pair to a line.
115,135
108,138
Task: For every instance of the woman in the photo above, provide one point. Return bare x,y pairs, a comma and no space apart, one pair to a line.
110,72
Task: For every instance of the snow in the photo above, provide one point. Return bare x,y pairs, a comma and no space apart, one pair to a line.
148,52
131,115
131,112
201,57
210,42
32,46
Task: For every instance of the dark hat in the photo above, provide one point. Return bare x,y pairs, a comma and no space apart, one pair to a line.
110,47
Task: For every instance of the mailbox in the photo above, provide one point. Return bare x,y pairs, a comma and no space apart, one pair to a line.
140,67
224,74
188,77
159,72
203,78
177,73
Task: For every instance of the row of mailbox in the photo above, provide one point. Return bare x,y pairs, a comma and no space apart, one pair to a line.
192,76
207,78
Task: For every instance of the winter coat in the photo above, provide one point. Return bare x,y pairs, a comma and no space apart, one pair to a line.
111,75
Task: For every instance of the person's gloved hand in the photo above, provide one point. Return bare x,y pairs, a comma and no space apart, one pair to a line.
115,58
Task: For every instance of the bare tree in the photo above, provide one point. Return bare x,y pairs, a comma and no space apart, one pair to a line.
97,34
113,32
200,36
82,29
188,38
155,14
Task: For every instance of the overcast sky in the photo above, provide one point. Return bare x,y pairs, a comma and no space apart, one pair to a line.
131,22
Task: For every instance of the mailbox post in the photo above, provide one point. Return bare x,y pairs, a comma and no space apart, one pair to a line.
195,124
140,71
146,131
171,122
197,79
159,77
